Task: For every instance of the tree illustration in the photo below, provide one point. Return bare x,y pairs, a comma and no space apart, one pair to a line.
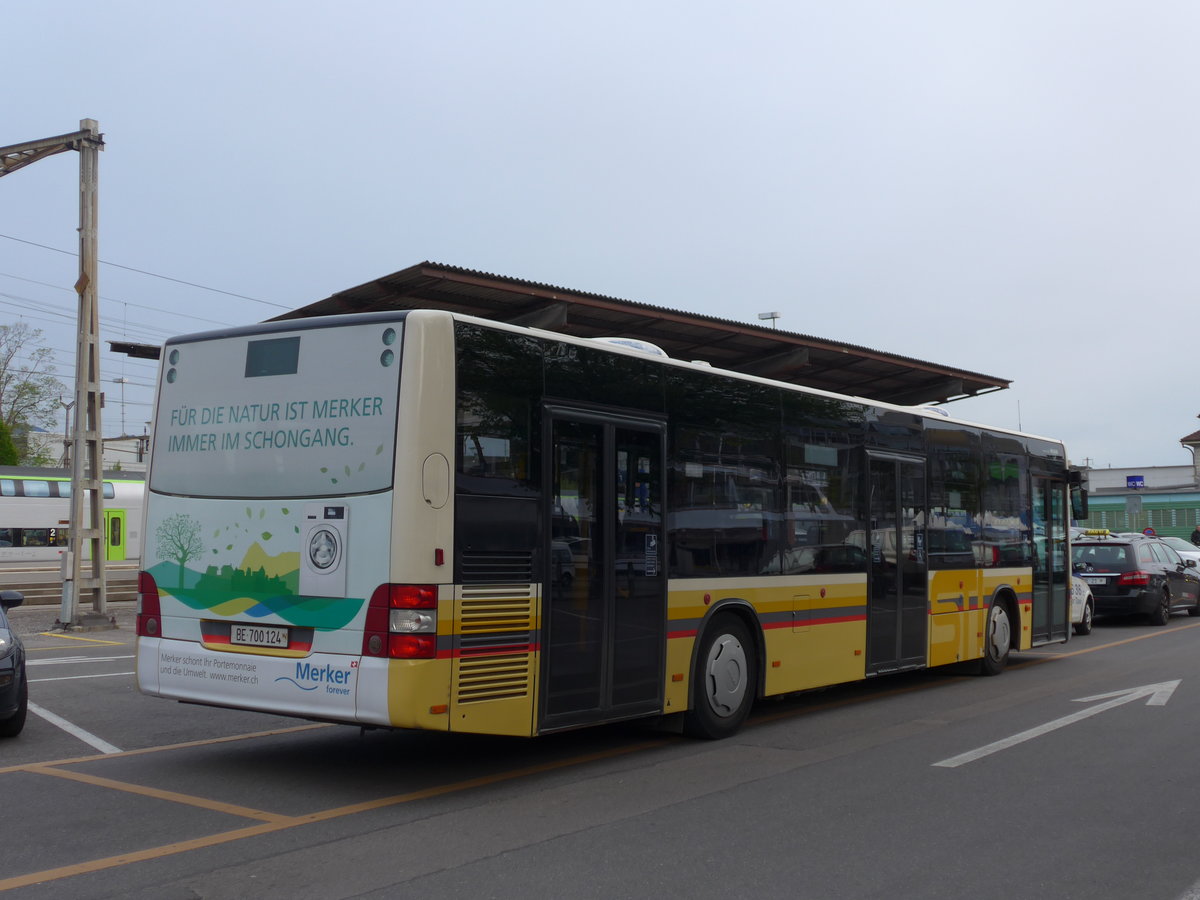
179,539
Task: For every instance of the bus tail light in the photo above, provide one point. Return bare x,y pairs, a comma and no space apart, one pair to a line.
402,622
149,612
1134,579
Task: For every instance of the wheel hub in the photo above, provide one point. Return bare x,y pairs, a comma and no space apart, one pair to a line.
726,675
1000,633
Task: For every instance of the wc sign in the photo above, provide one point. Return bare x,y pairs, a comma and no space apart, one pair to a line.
1135,482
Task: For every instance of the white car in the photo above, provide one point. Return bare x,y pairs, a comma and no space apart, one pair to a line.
1083,607
1186,549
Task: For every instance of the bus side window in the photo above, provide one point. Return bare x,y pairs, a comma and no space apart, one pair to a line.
499,381
8,487
7,537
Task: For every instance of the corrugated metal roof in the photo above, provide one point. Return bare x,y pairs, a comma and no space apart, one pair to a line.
754,349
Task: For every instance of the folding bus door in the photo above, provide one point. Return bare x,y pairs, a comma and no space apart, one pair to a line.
604,613
1051,566
897,583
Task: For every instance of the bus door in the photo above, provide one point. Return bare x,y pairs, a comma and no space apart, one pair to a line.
114,535
604,602
897,583
1051,619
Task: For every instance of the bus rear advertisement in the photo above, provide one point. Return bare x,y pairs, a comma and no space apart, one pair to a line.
426,520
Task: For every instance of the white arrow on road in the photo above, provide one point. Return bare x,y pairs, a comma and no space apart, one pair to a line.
1156,694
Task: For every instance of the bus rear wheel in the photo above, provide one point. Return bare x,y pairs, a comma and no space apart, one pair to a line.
997,639
723,683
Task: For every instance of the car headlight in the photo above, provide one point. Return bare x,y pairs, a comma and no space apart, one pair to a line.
7,643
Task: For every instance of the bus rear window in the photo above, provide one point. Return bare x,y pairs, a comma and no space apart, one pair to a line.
278,356
307,414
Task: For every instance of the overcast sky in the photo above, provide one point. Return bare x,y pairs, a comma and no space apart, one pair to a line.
1008,187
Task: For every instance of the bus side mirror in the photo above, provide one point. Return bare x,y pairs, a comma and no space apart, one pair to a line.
1079,504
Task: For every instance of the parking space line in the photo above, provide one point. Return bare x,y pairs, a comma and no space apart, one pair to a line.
75,637
161,748
244,812
284,823
112,862
275,823
77,677
74,730
1032,658
75,660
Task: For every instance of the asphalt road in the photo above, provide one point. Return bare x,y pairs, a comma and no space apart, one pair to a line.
932,785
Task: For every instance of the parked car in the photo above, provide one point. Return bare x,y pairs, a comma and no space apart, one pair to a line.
1130,573
1186,549
14,683
562,565
1083,606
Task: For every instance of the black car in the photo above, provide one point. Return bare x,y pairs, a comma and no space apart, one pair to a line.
14,684
1136,574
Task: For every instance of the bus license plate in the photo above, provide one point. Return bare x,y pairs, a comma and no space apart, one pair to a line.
259,635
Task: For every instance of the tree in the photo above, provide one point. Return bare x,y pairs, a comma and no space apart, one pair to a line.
179,539
29,392
8,452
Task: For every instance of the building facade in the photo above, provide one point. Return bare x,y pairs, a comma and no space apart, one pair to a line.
1163,498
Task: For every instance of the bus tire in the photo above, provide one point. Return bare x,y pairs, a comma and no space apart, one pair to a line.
724,680
997,639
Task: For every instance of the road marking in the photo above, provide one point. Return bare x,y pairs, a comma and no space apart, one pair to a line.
70,660
282,823
1192,893
269,827
162,748
1156,694
231,809
78,677
86,736
73,637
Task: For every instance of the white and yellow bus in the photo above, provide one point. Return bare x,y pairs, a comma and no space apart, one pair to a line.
427,520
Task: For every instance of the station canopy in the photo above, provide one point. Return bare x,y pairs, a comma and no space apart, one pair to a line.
751,348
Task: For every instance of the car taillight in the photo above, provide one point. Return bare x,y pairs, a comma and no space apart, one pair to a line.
1134,579
149,612
402,622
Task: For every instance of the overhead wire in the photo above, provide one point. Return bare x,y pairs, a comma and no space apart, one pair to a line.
141,331
59,287
104,262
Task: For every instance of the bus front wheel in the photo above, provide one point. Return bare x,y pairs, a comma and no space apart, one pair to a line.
997,639
723,683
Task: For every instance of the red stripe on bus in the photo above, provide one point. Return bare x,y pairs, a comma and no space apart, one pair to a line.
830,620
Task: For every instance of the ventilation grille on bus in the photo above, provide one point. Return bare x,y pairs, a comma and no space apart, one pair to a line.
496,638
497,567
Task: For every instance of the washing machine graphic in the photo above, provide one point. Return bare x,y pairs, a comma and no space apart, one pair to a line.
323,544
